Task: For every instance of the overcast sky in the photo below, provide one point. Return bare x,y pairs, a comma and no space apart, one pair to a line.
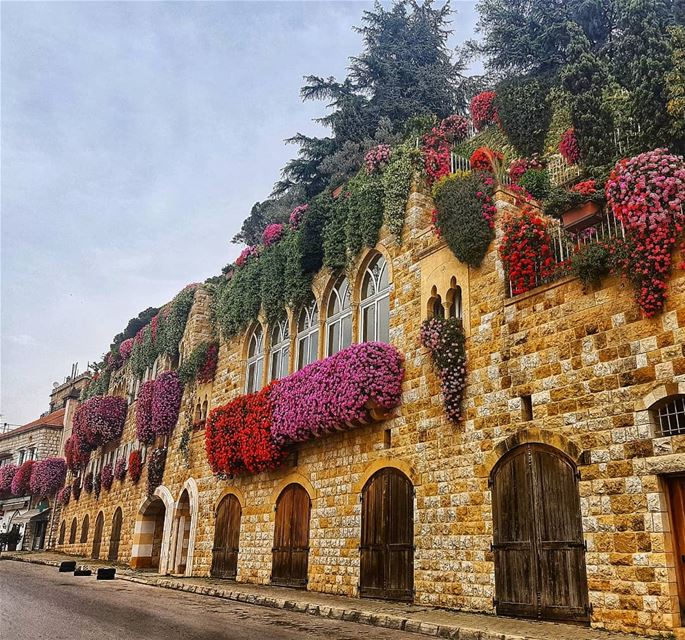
135,139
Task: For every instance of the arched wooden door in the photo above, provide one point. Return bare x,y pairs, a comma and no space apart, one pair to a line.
115,537
538,536
72,531
226,538
97,536
291,537
62,532
387,538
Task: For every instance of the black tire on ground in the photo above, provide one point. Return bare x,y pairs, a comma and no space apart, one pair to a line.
67,566
106,573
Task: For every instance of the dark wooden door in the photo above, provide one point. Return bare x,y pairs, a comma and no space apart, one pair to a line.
97,536
115,537
676,498
538,536
226,538
291,537
387,537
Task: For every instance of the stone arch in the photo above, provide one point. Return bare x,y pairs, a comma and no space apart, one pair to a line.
234,491
660,393
532,435
146,535
293,478
382,463
182,539
359,266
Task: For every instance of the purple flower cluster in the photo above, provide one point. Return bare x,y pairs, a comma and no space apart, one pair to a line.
120,469
329,394
64,495
6,476
272,234
76,488
99,420
377,157
245,255
48,476
155,469
297,215
88,482
22,479
97,484
166,402
144,431
125,349
107,476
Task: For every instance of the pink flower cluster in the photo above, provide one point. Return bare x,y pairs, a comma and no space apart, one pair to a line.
99,420
6,476
107,476
144,431
377,157
245,255
166,402
64,495
297,215
125,349
585,188
272,234
483,110
47,476
22,478
155,469
647,194
329,394
120,469
569,147
519,166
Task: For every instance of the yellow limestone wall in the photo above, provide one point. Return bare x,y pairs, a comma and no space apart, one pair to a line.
590,362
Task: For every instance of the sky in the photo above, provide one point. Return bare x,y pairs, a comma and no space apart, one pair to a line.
135,139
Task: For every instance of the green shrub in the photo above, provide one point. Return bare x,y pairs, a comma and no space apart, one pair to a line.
536,182
396,180
591,263
364,212
238,300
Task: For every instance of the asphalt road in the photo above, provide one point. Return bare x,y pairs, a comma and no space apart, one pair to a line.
38,602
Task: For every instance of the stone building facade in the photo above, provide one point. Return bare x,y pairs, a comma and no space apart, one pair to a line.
561,419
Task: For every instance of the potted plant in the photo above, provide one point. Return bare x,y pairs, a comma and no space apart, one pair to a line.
578,207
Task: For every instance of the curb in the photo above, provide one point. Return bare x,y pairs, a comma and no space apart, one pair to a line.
359,616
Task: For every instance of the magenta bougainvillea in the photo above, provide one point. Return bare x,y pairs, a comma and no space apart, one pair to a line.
166,402
155,469
647,194
569,148
245,255
297,215
135,465
6,476
483,110
120,469
329,394
99,420
76,488
377,157
48,476
77,457
22,479
107,476
125,349
88,482
272,234
64,495
445,341
144,431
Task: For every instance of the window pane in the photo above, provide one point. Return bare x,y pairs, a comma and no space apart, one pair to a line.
285,361
346,331
333,304
368,288
259,368
368,324
302,351
384,320
314,346
275,365
333,337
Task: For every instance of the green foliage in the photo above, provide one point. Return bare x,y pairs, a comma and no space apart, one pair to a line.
536,182
99,384
591,263
524,113
272,289
560,200
460,216
397,179
238,301
675,84
172,323
334,243
364,212
134,325
144,352
491,137
193,363
560,106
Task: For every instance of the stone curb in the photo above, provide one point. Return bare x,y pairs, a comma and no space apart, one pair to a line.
300,606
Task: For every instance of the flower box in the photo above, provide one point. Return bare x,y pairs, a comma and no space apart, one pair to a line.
582,216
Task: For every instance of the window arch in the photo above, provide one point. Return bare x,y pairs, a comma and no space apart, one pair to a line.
339,317
62,532
670,416
84,529
375,302
308,335
280,350
435,306
255,361
72,531
454,299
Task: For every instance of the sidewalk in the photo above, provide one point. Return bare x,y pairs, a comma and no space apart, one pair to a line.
412,618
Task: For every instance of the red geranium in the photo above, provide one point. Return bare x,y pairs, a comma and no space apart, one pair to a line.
569,148
485,159
135,465
483,110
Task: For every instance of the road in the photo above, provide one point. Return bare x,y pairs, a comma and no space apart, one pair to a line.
39,602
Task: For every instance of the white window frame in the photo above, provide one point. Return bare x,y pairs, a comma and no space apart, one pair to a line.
375,298
341,294
307,334
254,375
280,349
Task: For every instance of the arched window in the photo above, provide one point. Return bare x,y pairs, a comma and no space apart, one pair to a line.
204,409
339,318
62,532
454,299
255,361
670,416
375,302
72,531
84,529
280,350
308,335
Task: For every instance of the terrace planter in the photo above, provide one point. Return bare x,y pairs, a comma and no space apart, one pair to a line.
582,216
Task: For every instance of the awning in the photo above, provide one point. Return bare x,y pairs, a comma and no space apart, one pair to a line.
32,515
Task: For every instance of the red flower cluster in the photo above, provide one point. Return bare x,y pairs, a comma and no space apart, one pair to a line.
585,188
77,457
569,147
135,465
526,251
436,146
208,368
483,110
238,436
155,469
484,159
